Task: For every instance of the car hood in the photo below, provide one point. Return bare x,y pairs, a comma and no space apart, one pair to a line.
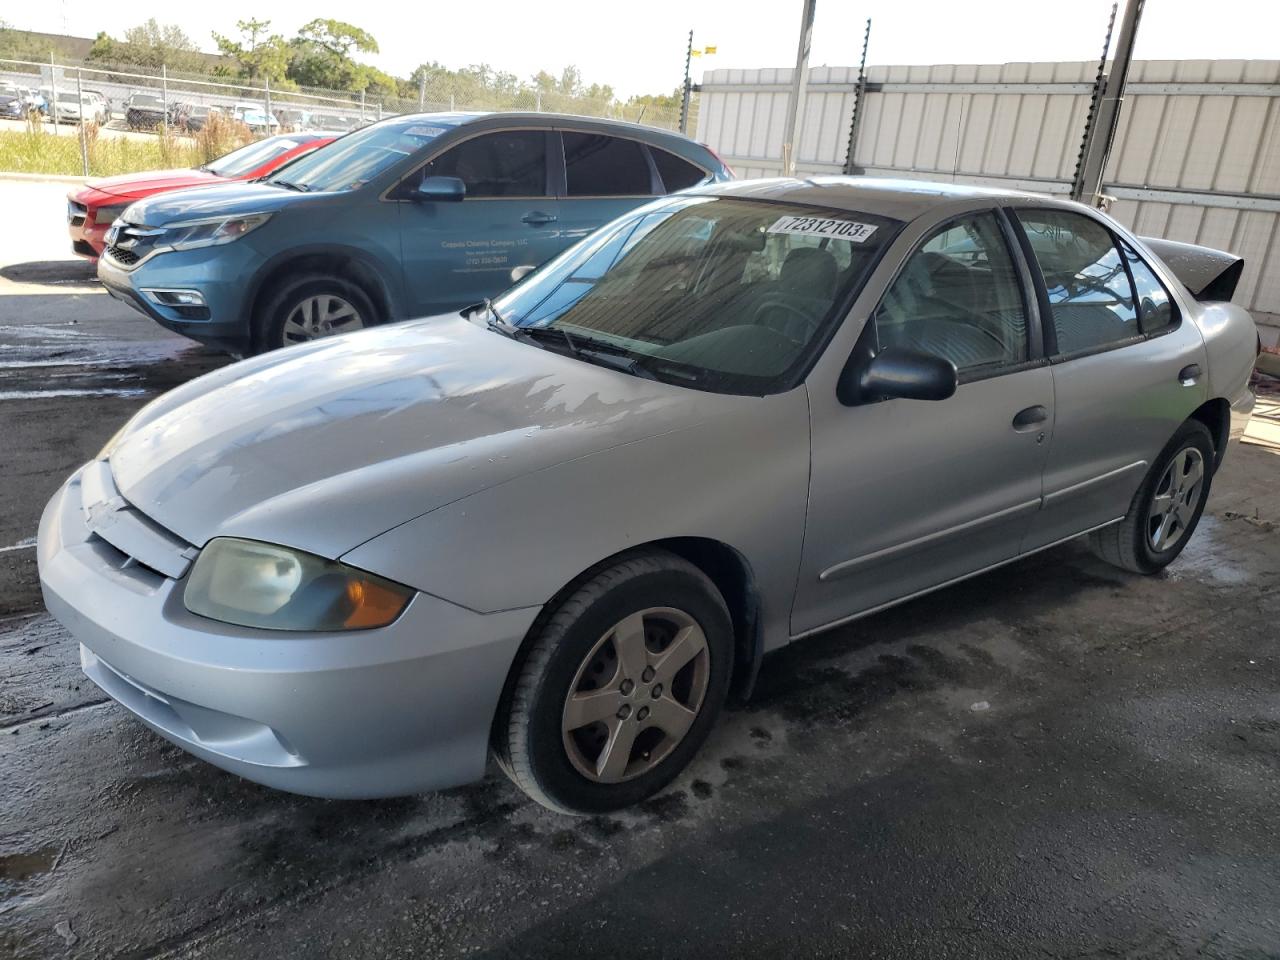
227,198
324,446
135,185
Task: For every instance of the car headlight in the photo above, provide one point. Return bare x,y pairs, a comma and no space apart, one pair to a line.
255,584
211,232
108,215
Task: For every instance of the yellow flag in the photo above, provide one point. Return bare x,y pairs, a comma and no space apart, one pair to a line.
710,51
695,53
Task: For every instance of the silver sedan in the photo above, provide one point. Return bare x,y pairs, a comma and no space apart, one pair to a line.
565,524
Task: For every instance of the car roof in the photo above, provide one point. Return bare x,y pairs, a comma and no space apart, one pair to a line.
621,128
899,199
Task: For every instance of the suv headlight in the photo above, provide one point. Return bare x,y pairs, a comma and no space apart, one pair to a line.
211,232
255,584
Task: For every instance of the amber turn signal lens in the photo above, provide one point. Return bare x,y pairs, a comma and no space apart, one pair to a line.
372,604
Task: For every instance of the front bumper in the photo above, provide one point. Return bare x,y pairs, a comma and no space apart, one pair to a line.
402,709
217,273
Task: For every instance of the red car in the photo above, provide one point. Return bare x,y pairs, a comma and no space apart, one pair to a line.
92,208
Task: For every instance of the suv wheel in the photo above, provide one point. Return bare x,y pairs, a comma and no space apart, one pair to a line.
310,306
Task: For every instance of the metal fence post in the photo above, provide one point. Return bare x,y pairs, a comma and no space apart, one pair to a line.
379,109
361,107
164,92
53,85
685,90
84,135
422,93
266,85
795,102
537,101
1101,131
859,94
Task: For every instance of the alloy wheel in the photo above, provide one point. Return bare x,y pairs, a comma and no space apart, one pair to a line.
636,694
321,315
1176,496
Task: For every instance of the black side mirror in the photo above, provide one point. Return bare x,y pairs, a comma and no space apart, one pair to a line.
440,188
899,372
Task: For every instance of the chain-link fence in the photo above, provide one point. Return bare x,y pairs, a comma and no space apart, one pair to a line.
117,101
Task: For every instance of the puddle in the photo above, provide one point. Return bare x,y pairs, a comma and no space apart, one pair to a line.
89,392
17,868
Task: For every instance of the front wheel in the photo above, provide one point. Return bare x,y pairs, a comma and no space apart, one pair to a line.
311,306
1167,507
622,683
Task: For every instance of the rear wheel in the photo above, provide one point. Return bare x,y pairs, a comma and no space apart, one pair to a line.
1167,507
620,687
311,306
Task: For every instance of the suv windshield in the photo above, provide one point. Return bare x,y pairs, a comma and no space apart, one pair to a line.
145,100
715,293
353,161
239,162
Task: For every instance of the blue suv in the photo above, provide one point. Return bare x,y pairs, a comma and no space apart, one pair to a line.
408,217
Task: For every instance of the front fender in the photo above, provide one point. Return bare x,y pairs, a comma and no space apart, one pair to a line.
741,479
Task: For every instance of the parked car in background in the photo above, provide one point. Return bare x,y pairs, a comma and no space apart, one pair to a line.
255,117
102,107
92,208
191,117
72,107
295,118
18,102
562,524
409,216
144,111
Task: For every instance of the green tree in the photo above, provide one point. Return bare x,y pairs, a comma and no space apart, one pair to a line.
258,54
150,45
322,56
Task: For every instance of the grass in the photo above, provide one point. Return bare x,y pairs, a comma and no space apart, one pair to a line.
38,150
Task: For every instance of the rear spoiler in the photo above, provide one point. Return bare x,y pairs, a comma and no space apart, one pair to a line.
1209,274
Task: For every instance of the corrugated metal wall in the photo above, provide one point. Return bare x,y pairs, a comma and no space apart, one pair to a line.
1196,156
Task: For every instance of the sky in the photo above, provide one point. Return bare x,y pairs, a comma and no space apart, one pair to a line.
639,47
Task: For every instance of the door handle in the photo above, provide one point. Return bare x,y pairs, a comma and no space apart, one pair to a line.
536,218
1189,374
1030,417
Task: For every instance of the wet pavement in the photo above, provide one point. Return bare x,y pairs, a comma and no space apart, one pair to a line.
1056,759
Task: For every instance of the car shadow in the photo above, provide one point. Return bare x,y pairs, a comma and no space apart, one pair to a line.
51,272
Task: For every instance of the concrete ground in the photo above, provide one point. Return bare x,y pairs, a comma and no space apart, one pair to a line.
1053,760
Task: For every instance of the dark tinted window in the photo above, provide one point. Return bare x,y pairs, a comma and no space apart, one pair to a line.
959,297
676,173
599,166
1089,292
1155,306
508,164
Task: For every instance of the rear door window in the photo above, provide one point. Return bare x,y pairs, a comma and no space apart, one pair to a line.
601,166
1156,311
1090,297
676,173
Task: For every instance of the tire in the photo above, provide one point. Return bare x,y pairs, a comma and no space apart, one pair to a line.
555,765
1136,543
276,323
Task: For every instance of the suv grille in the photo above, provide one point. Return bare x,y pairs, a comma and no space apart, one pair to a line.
126,257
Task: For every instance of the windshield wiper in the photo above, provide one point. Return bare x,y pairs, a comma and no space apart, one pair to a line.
288,185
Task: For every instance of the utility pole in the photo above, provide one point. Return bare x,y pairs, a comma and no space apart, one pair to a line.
795,102
860,91
164,93
687,88
1105,115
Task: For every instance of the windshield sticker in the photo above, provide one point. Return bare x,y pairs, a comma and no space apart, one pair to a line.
429,132
823,227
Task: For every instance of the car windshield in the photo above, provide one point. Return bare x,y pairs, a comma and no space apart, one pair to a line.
144,100
353,161
714,293
239,162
